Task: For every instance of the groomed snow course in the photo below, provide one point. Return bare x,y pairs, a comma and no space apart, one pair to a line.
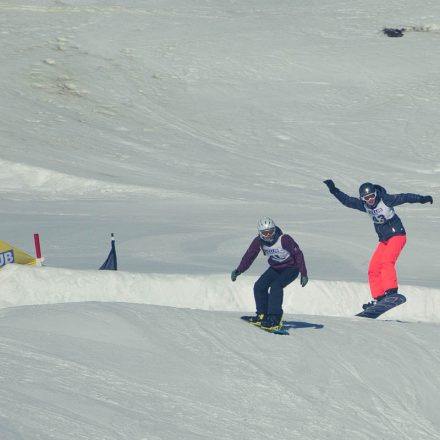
23,285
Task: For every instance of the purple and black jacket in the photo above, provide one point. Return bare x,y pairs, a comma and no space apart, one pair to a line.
283,252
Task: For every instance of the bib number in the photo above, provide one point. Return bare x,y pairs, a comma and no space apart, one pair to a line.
379,219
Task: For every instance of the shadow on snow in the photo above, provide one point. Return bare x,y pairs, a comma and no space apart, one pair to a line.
300,324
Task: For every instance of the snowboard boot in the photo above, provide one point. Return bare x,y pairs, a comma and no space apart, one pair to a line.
390,292
387,292
257,319
272,322
370,304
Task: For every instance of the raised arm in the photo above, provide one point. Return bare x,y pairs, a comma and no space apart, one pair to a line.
346,200
400,199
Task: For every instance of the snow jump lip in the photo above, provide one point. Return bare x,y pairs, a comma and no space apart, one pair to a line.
25,285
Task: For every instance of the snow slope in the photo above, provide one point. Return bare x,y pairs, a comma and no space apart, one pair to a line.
162,121
30,286
96,357
126,371
176,125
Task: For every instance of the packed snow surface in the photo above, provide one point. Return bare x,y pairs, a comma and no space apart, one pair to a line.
176,125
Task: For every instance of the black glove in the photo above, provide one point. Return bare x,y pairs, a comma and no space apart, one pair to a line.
304,280
331,186
234,274
426,199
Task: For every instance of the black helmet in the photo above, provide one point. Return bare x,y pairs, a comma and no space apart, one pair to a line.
366,188
368,194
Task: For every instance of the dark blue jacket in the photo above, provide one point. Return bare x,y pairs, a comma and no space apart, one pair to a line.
386,222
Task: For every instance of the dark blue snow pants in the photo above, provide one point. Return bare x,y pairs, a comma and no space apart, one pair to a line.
268,289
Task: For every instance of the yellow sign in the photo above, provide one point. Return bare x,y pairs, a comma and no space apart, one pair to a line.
11,254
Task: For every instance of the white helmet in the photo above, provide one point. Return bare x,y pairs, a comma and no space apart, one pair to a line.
266,228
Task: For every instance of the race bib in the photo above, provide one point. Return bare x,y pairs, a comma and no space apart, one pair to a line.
381,213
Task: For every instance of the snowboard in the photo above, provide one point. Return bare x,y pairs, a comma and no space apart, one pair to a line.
275,332
382,306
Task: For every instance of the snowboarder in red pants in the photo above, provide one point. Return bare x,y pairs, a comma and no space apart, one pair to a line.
374,200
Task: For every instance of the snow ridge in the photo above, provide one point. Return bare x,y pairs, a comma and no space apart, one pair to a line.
22,285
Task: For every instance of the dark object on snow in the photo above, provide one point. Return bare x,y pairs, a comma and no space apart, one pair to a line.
111,263
392,32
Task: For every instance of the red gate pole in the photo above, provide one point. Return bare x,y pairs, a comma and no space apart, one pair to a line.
37,245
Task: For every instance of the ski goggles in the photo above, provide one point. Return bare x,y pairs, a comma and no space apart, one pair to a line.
369,197
267,233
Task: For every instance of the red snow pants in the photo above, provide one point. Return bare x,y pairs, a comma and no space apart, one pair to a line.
381,271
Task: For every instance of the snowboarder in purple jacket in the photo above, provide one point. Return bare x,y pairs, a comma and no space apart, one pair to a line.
286,261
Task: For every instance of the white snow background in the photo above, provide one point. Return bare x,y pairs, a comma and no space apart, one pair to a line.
176,125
